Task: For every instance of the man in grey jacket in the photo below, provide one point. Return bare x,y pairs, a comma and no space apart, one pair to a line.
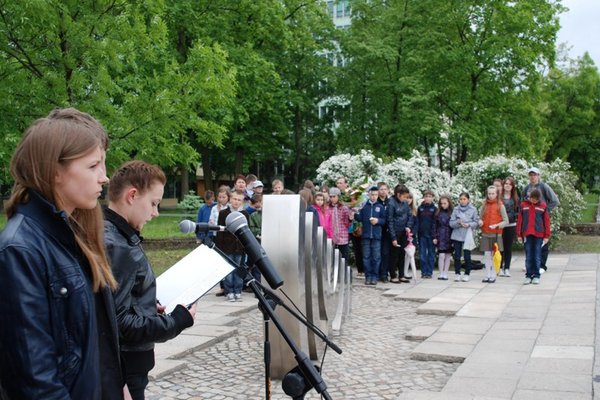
548,196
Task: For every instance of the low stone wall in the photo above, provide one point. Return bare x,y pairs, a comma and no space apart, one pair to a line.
170,244
582,229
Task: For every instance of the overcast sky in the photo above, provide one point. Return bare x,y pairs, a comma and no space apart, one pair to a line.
580,28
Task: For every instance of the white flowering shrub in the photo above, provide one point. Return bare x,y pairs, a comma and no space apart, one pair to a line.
477,175
360,169
418,177
472,177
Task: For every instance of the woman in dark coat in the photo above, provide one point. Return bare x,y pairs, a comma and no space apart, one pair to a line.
58,336
441,235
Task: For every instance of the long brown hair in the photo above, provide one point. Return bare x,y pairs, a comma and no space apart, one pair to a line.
61,137
514,193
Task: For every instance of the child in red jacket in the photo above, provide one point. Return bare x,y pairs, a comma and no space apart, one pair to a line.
533,228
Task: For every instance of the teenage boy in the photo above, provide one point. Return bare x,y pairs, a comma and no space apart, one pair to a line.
547,196
386,242
533,228
372,217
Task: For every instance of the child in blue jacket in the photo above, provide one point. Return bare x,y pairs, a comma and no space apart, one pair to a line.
372,217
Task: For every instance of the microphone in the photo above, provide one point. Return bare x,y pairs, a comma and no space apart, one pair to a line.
187,226
236,223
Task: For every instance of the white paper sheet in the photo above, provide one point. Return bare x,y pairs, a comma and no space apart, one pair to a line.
191,277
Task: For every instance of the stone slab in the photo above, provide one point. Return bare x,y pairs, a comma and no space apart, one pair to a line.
221,332
438,351
182,345
447,309
576,352
467,325
492,386
564,382
566,340
527,394
460,338
420,333
166,367
560,365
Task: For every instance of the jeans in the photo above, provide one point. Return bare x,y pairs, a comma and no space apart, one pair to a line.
397,257
458,249
386,243
136,365
358,255
545,251
508,238
533,256
426,255
233,282
371,251
344,251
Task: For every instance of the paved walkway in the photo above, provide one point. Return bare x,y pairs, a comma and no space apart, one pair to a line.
438,340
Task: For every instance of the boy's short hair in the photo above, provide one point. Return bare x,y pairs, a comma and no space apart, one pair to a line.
250,178
137,173
256,198
209,194
535,194
234,193
428,192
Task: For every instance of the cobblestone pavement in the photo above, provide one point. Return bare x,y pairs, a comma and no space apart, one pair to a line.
375,363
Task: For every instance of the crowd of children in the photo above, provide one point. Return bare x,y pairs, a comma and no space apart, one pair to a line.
379,227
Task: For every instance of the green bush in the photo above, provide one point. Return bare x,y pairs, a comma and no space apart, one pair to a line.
191,202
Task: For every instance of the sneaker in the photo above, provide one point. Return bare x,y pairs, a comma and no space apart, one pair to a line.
238,297
507,273
230,297
440,278
486,280
527,281
490,280
535,281
542,270
457,278
220,293
501,273
466,278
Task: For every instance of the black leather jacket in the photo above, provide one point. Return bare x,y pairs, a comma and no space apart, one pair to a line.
399,217
140,325
48,330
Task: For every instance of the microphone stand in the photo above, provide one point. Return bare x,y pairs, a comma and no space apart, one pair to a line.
308,369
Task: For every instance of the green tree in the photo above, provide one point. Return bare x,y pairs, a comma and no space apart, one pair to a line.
469,68
572,96
113,60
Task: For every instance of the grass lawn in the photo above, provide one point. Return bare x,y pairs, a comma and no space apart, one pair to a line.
166,225
588,215
161,260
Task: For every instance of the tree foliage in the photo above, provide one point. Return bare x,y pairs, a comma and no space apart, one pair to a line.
270,87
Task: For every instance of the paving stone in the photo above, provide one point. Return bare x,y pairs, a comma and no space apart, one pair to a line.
420,333
446,309
577,352
551,381
441,351
517,342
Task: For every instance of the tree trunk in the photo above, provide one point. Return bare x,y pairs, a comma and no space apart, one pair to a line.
185,181
297,141
207,170
239,161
